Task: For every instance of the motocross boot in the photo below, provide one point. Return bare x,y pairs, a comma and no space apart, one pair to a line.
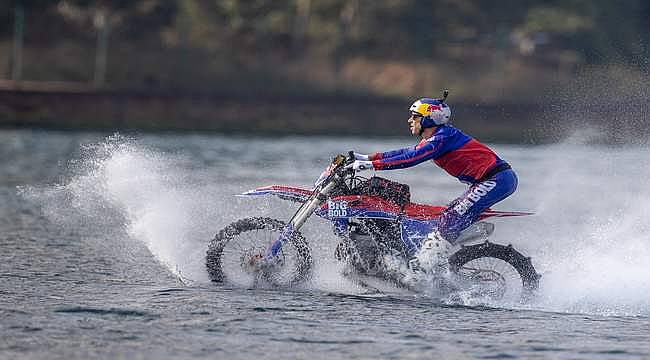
433,255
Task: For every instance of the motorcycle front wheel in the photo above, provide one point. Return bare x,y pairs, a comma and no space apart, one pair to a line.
233,254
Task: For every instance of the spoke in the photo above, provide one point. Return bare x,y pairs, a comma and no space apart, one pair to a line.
500,278
255,242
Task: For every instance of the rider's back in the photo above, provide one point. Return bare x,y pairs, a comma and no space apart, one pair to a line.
462,156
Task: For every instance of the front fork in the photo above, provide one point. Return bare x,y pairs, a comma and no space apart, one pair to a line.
299,219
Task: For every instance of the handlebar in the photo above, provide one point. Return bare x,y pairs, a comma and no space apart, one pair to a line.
350,156
341,161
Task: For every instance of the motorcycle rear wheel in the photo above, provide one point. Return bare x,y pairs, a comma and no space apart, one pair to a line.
499,266
234,249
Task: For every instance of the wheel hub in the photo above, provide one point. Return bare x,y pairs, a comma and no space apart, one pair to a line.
253,261
490,283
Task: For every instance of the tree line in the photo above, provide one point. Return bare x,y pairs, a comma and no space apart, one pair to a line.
243,36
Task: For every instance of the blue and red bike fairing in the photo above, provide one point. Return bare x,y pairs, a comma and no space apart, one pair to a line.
415,220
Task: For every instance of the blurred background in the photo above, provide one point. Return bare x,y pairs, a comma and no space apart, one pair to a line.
518,70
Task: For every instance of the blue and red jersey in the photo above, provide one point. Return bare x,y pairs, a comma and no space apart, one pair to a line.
454,151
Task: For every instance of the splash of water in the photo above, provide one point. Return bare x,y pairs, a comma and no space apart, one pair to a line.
590,238
119,185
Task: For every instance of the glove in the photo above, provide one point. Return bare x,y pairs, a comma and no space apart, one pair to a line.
360,165
359,156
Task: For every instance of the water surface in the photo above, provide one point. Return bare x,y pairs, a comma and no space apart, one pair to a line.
103,240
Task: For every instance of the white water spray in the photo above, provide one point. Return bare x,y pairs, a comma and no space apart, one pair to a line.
591,236
117,183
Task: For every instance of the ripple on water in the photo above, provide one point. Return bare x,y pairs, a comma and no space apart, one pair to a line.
102,311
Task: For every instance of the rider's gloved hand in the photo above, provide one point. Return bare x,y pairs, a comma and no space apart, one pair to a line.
360,165
359,156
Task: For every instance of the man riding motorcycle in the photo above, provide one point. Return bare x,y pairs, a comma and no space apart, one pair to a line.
490,179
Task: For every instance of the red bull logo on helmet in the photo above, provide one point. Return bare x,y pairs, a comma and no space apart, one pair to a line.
423,108
432,108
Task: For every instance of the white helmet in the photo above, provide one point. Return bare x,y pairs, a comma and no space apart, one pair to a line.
434,111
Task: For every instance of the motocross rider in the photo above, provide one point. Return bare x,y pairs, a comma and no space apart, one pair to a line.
490,179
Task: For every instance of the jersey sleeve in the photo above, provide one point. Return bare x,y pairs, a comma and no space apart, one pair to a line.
388,154
409,156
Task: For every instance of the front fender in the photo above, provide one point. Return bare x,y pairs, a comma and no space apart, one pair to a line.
283,192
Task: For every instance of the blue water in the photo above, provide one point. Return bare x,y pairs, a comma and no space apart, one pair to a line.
103,241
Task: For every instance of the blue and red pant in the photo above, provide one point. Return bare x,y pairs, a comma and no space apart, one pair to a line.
467,208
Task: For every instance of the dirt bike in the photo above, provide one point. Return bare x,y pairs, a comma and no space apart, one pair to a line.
376,222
